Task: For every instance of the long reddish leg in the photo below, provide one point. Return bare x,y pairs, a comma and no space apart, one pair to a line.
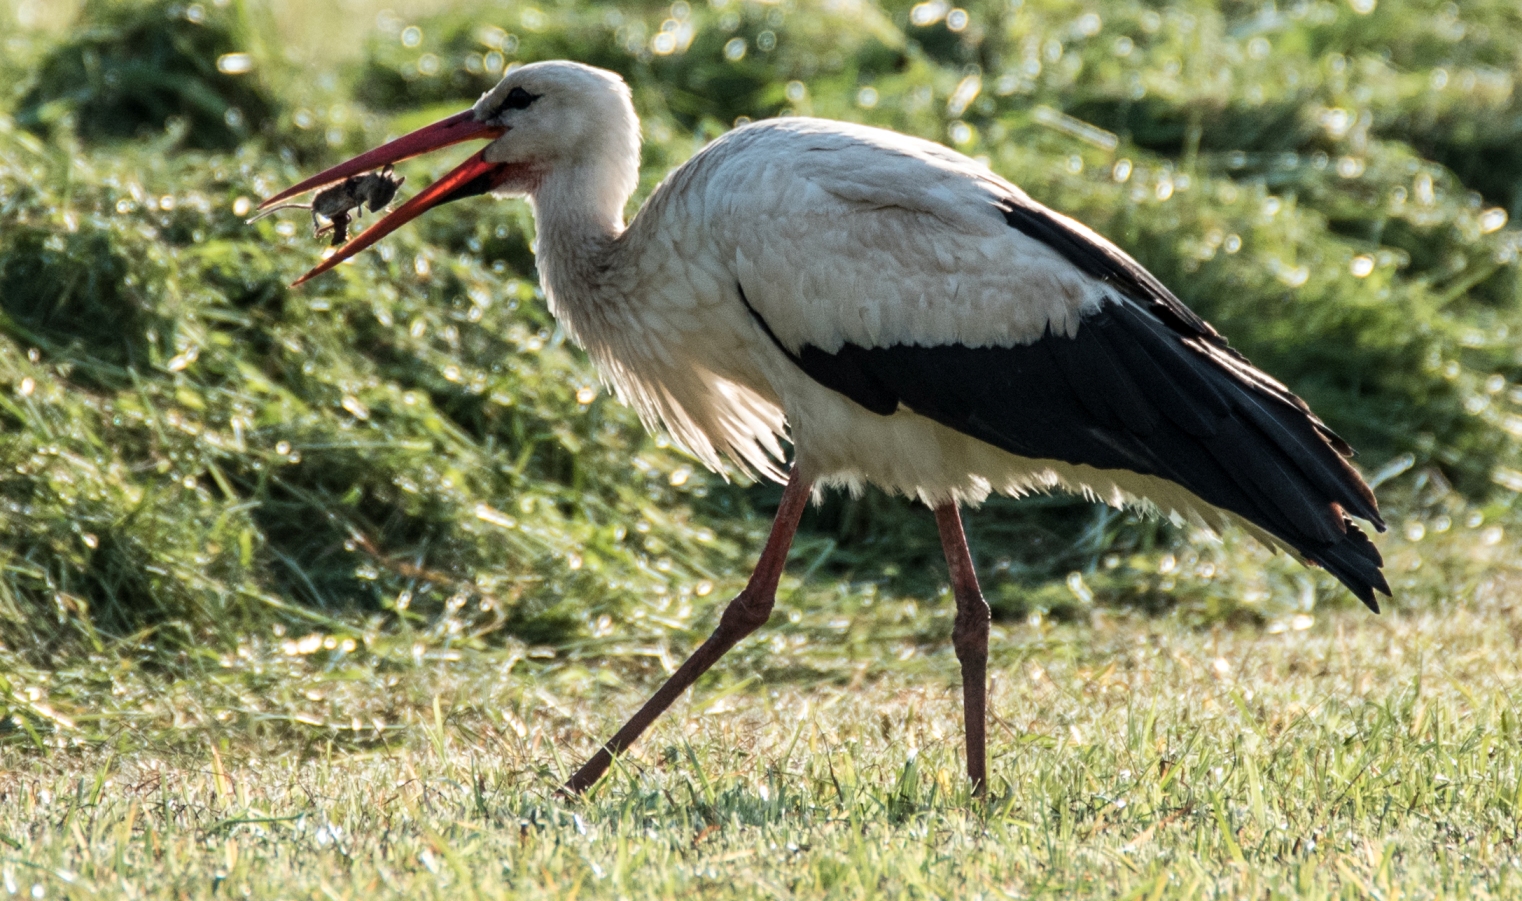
744,615
970,638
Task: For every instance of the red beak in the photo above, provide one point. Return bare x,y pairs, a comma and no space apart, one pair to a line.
472,177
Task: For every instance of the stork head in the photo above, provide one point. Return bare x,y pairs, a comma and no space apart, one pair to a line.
548,123
564,115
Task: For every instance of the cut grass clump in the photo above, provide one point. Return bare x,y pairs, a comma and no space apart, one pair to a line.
193,448
73,291
133,70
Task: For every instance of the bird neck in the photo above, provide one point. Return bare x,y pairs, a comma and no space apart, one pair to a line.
579,217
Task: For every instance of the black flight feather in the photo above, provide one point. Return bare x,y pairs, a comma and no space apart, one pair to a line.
1139,387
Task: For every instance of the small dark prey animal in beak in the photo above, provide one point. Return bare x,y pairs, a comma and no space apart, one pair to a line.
475,176
343,202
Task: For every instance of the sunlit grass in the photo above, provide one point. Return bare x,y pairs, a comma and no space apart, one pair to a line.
321,593
1351,756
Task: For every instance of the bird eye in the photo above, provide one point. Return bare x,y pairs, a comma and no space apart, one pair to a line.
518,98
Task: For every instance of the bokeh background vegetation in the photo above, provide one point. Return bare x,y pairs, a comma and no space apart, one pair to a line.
408,452
320,592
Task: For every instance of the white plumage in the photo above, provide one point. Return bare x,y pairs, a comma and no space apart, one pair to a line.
901,315
840,233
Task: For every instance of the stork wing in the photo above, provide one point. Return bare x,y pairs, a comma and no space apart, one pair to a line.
947,291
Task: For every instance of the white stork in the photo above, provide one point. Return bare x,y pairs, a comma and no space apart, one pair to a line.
904,317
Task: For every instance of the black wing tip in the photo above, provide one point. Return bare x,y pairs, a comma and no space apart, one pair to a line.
1366,593
1356,563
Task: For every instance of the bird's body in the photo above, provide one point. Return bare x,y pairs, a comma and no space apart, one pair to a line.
851,289
903,317
818,234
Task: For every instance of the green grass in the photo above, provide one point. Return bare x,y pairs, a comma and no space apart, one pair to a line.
319,593
1320,755
1131,757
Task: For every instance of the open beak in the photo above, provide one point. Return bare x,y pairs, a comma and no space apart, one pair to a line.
472,177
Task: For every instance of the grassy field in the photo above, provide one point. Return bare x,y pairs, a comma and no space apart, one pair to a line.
319,593
1351,757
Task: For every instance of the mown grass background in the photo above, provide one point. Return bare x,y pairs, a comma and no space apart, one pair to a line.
338,527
